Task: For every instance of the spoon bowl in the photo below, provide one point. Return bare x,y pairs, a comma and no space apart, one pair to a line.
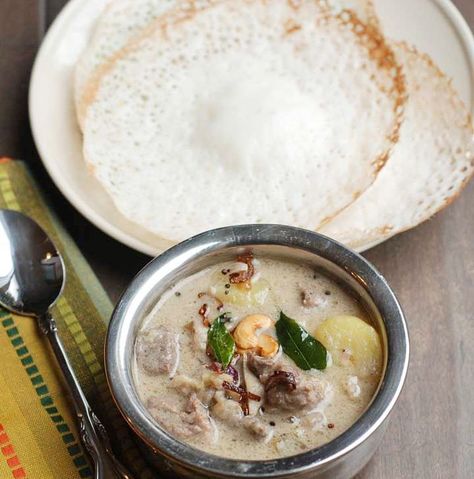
32,272
32,278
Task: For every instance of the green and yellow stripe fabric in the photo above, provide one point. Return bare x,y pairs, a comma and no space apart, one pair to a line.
37,424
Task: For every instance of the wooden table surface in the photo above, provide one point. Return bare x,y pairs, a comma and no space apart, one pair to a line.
431,269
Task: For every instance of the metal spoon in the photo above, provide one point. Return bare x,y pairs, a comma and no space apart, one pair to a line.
32,277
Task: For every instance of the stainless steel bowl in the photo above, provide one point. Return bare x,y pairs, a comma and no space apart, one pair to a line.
341,458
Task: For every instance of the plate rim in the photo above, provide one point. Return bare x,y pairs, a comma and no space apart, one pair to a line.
449,9
99,221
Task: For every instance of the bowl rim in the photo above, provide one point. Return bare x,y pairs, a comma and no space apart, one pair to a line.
253,235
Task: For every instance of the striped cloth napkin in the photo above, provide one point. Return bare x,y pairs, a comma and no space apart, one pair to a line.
38,433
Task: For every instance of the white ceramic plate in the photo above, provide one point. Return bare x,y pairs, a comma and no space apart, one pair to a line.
434,26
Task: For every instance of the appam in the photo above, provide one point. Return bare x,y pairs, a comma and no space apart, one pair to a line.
123,20
429,166
244,112
120,21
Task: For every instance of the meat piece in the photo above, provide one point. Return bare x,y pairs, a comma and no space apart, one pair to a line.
227,410
285,388
230,411
258,428
262,367
193,421
307,395
158,352
284,379
197,416
204,389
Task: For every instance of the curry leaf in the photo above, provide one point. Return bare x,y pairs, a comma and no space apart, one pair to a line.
220,341
306,351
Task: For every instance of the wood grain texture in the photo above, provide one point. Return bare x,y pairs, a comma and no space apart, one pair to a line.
431,434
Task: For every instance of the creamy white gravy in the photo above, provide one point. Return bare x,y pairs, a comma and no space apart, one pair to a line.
277,286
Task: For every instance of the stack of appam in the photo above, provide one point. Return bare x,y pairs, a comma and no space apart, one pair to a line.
200,114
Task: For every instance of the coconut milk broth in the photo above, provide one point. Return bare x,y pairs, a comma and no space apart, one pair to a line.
293,432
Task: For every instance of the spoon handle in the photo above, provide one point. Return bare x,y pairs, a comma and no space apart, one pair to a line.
93,433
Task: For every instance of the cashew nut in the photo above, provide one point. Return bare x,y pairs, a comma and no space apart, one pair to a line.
245,334
267,346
